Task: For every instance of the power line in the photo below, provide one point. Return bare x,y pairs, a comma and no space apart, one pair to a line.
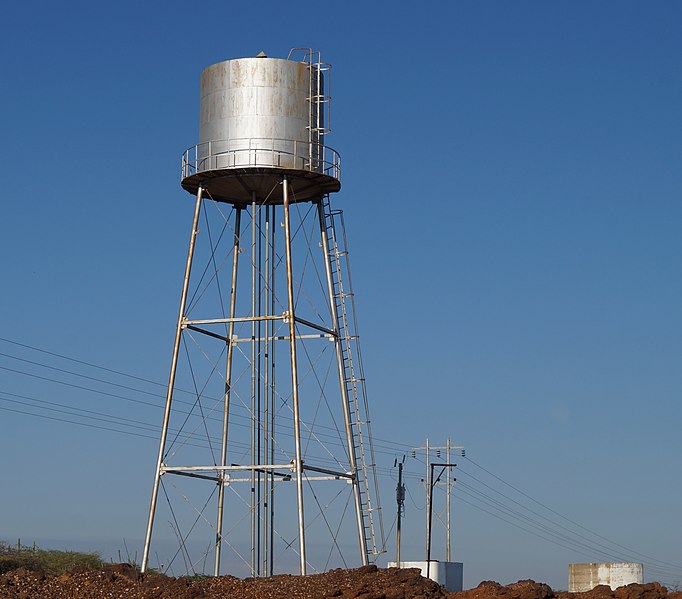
559,538
387,445
544,533
100,416
515,513
632,551
382,446
84,363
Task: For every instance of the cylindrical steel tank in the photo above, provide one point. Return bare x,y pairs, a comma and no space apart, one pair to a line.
260,120
255,99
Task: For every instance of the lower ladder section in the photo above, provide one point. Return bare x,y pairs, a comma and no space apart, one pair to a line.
354,382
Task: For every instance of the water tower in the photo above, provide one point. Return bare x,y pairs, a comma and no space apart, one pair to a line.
266,439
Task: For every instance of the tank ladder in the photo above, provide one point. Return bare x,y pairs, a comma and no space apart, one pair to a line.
354,382
319,101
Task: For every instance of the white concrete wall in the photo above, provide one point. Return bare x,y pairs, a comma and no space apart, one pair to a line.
584,577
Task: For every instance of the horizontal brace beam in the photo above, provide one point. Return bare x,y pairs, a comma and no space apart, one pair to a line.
231,467
325,471
317,327
193,475
279,338
209,333
192,471
287,479
186,322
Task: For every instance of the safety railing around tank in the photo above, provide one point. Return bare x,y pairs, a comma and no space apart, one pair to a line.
257,152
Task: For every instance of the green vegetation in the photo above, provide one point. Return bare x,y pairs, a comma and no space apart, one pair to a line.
46,561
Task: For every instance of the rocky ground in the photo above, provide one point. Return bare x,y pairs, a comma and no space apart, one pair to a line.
124,582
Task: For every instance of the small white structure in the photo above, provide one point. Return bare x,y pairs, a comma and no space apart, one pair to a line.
584,577
446,574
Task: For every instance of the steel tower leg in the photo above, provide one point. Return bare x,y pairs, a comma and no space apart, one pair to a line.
294,376
254,379
171,381
228,390
272,394
268,443
344,390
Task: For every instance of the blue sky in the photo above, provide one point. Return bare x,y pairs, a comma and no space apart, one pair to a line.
511,184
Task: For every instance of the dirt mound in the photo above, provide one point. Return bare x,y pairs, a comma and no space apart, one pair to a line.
523,589
529,589
125,582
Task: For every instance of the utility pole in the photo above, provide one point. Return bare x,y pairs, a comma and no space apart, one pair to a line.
431,452
432,484
400,499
